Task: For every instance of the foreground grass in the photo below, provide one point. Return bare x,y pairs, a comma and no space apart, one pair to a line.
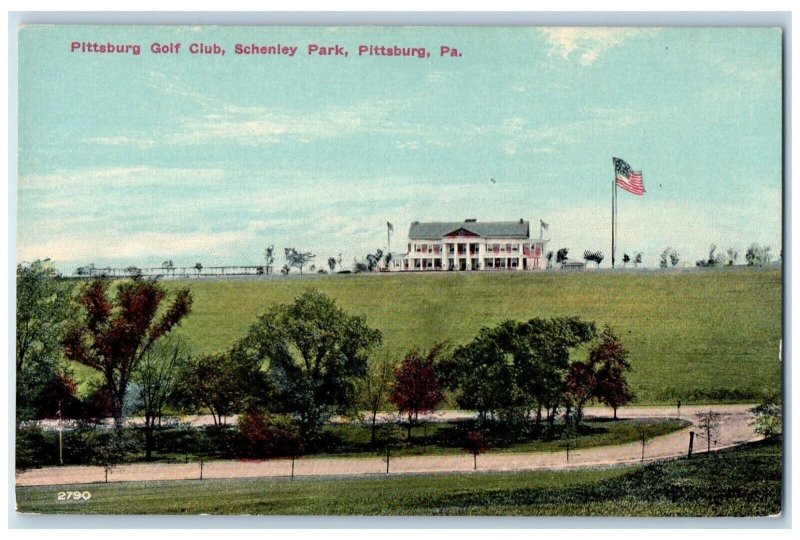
740,482
698,337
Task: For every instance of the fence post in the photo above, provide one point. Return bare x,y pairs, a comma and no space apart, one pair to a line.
201,468
691,443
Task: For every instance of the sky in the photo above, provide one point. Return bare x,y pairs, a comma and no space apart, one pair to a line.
135,159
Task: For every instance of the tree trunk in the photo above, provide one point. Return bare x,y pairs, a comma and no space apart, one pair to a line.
615,413
116,409
148,439
372,432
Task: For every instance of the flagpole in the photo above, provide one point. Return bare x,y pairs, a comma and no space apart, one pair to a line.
613,214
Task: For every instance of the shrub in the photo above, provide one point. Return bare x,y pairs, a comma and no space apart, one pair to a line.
260,435
34,448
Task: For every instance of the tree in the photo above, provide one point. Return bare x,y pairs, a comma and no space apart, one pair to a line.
579,388
709,424
732,256
373,259
670,255
713,257
766,255
332,263
549,258
594,256
198,267
483,376
156,375
663,258
611,357
625,260
269,259
561,256
373,389
542,359
751,254
222,383
637,259
513,368
297,259
115,333
108,448
388,436
133,271
315,353
285,270
643,434
712,260
263,435
43,310
476,444
767,417
569,438
758,255
417,388
387,261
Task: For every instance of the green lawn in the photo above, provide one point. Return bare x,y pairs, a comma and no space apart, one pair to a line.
699,337
740,482
352,440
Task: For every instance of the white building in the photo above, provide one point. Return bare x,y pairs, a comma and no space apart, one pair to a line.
471,245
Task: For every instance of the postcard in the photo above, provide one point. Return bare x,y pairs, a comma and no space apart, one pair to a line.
399,271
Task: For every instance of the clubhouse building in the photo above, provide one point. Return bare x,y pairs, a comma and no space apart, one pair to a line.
471,245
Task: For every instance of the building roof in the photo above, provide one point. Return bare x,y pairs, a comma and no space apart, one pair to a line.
488,229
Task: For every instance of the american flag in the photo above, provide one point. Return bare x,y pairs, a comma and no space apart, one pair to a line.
628,179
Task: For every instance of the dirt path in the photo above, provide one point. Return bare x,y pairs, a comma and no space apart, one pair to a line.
735,429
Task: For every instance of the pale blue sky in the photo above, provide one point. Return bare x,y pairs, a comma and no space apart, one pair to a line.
136,159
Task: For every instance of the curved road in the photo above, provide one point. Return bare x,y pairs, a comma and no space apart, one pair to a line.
735,429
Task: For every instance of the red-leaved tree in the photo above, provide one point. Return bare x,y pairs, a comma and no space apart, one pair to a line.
117,330
476,444
580,386
611,359
417,388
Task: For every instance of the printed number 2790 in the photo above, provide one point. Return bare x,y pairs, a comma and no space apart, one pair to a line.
74,495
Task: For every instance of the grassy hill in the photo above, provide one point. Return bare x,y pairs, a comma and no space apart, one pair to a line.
701,336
